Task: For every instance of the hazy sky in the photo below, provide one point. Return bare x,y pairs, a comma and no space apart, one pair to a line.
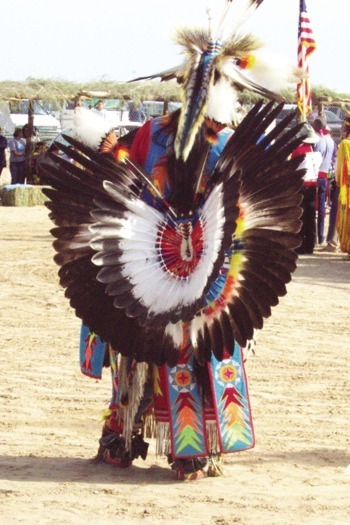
83,40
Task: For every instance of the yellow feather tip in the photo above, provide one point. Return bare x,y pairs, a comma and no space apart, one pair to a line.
247,61
122,154
105,414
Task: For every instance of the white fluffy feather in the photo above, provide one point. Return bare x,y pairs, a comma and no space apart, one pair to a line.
89,128
272,71
222,102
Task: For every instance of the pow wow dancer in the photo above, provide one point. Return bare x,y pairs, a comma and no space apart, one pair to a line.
174,243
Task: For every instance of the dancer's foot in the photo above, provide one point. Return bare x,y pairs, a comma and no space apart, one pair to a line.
188,469
116,461
113,450
181,475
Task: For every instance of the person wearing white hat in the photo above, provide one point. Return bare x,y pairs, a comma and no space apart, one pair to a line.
310,161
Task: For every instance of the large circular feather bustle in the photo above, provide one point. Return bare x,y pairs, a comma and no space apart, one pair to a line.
135,272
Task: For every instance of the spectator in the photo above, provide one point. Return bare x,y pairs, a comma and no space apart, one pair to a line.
332,237
343,182
326,147
311,162
99,109
32,163
33,137
17,147
3,146
137,113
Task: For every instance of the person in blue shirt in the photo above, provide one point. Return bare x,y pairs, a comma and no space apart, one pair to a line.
137,113
326,146
17,147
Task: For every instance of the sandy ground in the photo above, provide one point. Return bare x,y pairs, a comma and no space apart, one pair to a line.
50,414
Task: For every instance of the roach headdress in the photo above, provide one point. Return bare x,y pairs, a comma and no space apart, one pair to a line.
215,69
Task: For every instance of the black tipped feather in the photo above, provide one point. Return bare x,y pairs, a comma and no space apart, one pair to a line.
216,339
226,327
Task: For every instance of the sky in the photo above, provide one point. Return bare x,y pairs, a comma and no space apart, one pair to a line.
83,40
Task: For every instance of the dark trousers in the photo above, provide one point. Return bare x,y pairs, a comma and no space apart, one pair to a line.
321,207
17,170
308,218
333,213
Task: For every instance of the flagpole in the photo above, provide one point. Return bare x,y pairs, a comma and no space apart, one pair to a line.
303,87
301,84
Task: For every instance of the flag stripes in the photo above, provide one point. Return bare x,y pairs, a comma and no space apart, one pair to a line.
306,46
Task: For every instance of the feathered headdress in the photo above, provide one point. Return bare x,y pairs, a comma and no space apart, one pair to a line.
214,70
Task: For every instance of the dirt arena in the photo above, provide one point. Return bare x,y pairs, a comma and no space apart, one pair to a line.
50,415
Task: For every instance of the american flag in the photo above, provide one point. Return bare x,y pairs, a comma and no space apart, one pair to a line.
306,46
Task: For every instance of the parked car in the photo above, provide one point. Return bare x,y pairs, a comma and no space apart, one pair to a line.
338,110
46,125
155,108
334,123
